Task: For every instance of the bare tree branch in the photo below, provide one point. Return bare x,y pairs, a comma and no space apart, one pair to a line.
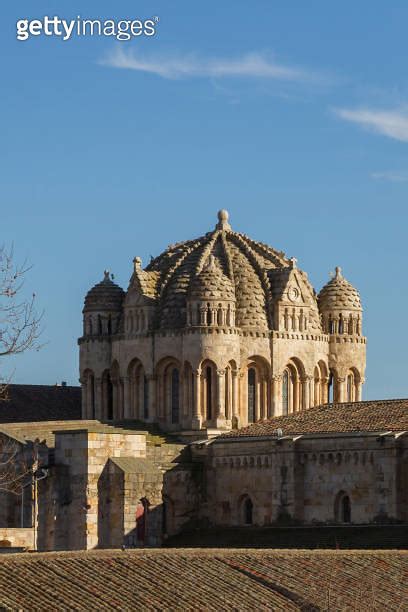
20,326
20,330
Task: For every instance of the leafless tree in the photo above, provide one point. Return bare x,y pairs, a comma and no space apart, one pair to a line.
16,465
20,325
20,329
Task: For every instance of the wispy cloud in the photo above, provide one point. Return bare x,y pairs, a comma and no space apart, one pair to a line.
394,176
254,65
391,123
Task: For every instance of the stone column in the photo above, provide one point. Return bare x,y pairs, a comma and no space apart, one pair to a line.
196,419
359,390
203,315
126,397
325,390
264,414
305,392
98,399
341,389
220,404
213,314
258,396
235,399
276,395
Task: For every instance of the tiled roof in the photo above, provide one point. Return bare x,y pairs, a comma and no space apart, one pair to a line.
243,263
339,293
374,416
105,294
40,403
205,580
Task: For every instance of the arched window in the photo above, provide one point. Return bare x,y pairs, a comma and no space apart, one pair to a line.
251,395
342,508
145,397
331,388
350,387
175,395
247,509
208,315
208,383
108,395
346,509
285,392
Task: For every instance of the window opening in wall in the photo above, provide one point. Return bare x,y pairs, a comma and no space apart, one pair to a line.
175,395
285,392
350,388
251,395
145,397
330,389
346,509
208,382
208,315
248,511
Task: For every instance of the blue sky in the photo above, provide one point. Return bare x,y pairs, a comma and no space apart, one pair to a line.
292,115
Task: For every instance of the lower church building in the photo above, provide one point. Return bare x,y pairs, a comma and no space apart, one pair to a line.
220,389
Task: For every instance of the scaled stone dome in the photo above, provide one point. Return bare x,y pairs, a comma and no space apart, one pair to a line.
211,283
106,295
338,293
241,272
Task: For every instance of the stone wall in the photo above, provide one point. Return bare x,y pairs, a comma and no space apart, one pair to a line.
18,537
305,479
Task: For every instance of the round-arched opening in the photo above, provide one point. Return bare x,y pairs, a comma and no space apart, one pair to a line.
247,510
293,387
342,508
138,390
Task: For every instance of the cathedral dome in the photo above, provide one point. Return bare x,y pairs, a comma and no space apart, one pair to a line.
222,264
338,293
211,283
106,295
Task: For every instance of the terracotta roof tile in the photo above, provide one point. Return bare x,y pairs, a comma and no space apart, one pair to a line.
371,416
40,403
204,580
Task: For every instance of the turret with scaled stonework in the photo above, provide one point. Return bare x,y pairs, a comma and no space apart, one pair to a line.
341,314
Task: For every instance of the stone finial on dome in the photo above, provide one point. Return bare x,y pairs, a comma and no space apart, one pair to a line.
137,263
106,295
338,272
223,217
